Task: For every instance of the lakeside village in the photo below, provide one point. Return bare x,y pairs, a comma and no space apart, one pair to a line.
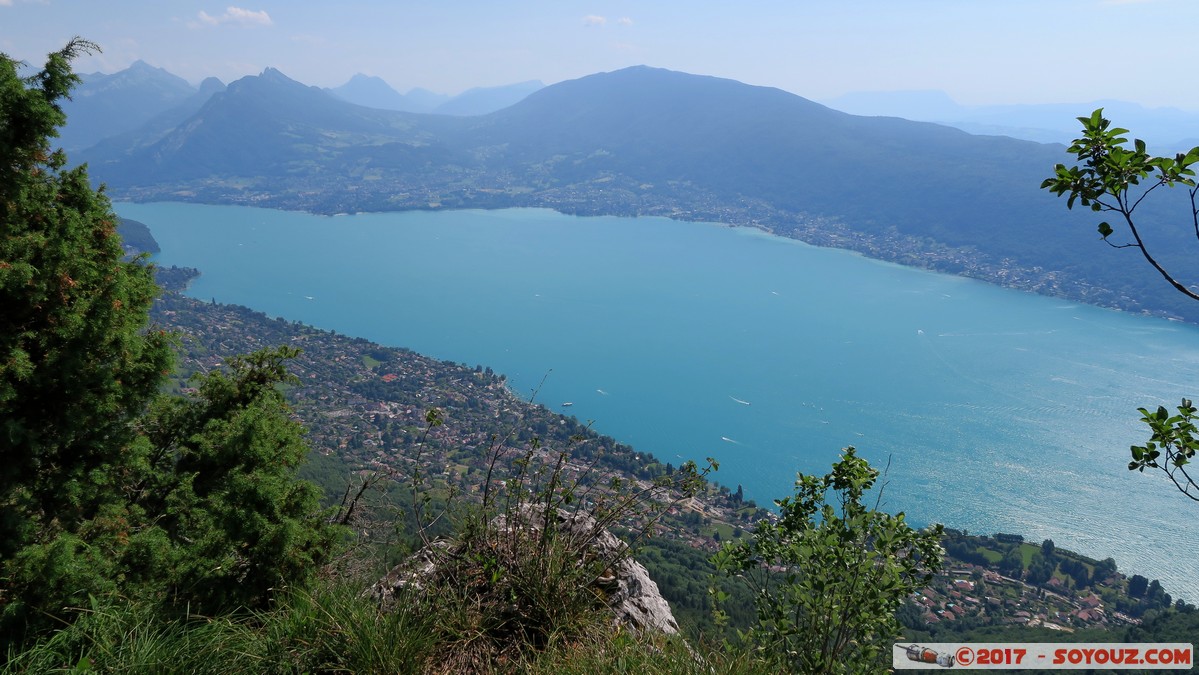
1001,579
366,405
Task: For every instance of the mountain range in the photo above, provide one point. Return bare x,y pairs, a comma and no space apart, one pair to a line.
647,141
121,103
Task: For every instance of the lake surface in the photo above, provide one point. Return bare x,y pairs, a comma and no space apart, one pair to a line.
999,411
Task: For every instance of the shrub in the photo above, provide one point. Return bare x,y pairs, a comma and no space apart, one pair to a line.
829,574
533,564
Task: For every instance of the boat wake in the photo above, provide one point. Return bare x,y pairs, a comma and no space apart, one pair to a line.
740,401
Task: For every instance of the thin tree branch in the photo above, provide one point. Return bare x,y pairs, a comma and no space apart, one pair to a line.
1188,482
1161,270
1160,182
1194,210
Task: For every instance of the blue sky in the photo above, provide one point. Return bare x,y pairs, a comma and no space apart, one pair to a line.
978,51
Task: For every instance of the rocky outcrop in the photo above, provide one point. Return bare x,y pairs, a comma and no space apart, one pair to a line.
624,583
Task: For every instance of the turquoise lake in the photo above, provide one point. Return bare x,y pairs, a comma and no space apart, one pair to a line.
999,411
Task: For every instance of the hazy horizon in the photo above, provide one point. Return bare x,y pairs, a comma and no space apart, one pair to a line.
1014,52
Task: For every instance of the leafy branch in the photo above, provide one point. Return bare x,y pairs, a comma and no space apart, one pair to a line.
830,572
1171,447
1116,179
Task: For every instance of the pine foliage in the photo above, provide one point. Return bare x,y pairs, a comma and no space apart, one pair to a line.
109,488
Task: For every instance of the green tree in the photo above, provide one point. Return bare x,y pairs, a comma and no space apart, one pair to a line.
829,575
1137,585
1171,446
1040,569
107,486
1116,179
1105,568
76,365
1012,563
220,486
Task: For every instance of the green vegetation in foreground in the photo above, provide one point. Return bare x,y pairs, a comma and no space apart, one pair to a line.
830,573
332,628
110,488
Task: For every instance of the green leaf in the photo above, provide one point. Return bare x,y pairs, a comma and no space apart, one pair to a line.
1105,230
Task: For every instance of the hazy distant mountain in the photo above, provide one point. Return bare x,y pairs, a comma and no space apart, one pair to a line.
483,100
373,92
106,105
638,140
159,125
208,87
1165,129
423,100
